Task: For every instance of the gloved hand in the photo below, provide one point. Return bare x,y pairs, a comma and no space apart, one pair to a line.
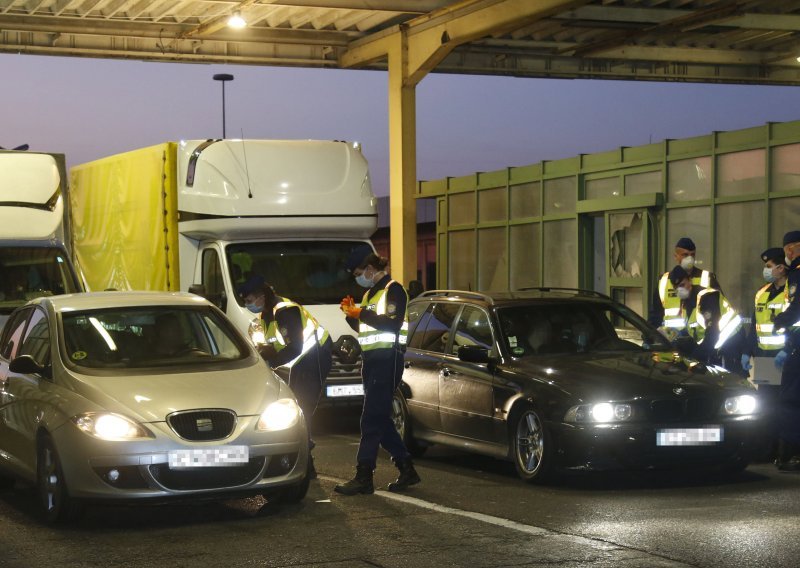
746,365
780,359
348,306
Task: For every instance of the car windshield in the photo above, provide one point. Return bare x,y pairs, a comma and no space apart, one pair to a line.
153,336
576,327
310,272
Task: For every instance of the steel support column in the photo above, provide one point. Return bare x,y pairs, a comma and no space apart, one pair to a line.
402,163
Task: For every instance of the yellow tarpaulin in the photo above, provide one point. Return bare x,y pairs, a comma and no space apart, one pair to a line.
124,220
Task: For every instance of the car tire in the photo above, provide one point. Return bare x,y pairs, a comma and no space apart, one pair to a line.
531,446
402,423
55,503
289,494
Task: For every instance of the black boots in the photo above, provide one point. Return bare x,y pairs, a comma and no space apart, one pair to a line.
312,471
408,476
787,459
360,484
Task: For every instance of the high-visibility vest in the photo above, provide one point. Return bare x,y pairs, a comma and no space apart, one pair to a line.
766,310
729,321
673,318
370,338
313,332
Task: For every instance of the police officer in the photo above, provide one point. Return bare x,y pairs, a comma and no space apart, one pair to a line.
704,315
788,359
382,325
761,341
665,300
293,339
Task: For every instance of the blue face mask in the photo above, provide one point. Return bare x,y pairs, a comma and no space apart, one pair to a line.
255,308
363,281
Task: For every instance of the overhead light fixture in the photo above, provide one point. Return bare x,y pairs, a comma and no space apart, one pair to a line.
236,21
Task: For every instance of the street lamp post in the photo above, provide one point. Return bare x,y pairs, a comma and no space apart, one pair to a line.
222,77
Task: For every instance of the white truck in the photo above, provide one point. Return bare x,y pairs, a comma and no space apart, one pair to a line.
205,215
33,258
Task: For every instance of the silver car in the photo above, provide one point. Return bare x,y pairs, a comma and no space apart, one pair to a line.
142,396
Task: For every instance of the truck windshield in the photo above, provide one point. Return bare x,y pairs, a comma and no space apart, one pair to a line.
307,272
31,272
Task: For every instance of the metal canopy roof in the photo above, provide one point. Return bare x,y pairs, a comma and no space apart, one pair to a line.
754,41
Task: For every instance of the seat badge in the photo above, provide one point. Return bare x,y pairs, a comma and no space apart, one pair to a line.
204,425
679,391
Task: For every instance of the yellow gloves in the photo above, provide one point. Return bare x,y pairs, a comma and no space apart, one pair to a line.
348,306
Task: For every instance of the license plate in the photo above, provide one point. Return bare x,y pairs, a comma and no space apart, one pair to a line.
345,390
209,457
689,436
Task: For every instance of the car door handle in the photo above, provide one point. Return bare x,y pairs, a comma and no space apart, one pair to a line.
407,364
445,372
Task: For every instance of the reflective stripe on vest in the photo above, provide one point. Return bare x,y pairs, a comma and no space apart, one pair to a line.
729,321
313,332
370,338
667,293
766,310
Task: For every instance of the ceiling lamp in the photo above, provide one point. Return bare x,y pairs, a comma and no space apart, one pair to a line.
236,21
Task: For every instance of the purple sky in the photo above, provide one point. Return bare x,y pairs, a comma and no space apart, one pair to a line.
89,108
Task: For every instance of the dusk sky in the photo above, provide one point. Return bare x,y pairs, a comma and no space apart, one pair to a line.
90,108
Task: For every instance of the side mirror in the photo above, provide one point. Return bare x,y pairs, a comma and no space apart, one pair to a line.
26,365
473,354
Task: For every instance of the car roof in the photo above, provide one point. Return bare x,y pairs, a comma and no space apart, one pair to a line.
526,295
115,299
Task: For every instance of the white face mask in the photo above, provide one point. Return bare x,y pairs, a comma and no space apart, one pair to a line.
364,281
683,293
687,263
788,261
768,276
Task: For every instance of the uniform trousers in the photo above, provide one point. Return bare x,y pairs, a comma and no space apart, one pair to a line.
381,374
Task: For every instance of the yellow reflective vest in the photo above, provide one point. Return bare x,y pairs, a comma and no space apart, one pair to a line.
673,318
766,310
729,321
370,338
313,332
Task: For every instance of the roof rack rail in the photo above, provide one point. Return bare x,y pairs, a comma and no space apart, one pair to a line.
560,289
457,293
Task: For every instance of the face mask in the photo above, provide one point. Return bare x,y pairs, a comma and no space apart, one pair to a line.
363,281
788,262
768,276
683,293
687,263
255,308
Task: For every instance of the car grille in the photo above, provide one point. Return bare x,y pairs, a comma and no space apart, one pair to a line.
343,370
203,425
207,477
690,409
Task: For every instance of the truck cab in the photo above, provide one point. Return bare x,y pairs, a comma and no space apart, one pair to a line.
289,211
34,260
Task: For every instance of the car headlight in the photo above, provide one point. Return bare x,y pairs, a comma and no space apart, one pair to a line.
112,427
601,412
739,405
279,415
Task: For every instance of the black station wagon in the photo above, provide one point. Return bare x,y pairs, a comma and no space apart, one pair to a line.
561,378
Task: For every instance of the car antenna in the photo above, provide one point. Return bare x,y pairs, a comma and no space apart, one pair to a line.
246,170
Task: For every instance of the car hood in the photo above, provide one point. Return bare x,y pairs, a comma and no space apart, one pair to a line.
150,398
624,376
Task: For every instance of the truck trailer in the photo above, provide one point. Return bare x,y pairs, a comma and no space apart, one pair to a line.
205,215
34,260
